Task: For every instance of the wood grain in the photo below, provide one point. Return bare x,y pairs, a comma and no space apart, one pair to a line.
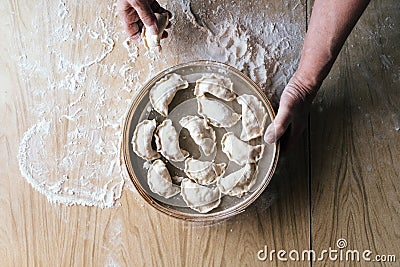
355,142
35,232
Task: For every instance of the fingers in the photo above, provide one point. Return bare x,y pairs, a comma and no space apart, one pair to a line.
278,127
133,30
146,14
139,13
131,16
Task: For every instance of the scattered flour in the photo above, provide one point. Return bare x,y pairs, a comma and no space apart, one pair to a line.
79,99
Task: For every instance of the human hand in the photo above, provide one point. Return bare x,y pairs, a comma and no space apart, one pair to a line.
293,111
139,13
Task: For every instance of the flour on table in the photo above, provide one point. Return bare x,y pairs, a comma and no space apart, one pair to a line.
81,83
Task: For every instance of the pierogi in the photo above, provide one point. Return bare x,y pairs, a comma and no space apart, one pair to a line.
202,134
216,85
141,140
167,141
159,180
164,91
240,152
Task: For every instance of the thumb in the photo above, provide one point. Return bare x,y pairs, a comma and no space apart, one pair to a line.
278,127
147,16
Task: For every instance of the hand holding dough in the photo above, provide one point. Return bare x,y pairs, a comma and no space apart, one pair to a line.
152,41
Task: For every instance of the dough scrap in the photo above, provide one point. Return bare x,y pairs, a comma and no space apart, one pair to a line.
177,179
152,41
239,182
141,140
200,198
164,90
203,172
216,85
202,134
216,112
254,117
167,142
159,180
239,151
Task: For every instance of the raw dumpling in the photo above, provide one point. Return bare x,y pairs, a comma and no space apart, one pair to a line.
239,151
159,180
216,85
152,41
164,91
239,182
200,198
203,172
202,134
216,112
253,117
167,142
141,140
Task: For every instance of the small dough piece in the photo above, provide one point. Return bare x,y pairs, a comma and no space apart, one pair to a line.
216,85
141,140
167,142
239,182
204,172
164,90
254,117
239,151
200,198
152,41
216,112
202,134
159,180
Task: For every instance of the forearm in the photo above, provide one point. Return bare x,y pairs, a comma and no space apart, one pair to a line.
330,24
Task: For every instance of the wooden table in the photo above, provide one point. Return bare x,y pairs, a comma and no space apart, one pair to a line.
340,182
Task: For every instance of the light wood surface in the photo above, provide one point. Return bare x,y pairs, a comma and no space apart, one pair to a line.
355,142
353,172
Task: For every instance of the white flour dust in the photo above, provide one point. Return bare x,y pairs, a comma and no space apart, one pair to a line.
82,82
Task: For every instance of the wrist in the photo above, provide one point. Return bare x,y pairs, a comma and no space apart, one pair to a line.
306,84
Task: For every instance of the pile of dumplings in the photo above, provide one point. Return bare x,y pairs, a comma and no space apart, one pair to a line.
205,183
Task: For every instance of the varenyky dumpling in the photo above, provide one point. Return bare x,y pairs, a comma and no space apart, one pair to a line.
164,91
239,151
159,180
198,197
203,172
216,85
141,140
202,134
167,142
253,117
239,182
152,41
219,114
